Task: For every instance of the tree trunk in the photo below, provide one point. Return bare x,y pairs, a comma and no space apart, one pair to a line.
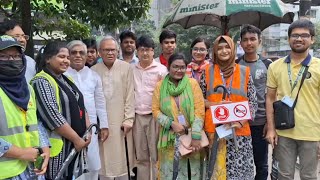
25,9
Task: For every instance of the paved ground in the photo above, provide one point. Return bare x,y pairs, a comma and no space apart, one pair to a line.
296,176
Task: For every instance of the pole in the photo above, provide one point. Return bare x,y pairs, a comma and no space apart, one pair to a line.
304,9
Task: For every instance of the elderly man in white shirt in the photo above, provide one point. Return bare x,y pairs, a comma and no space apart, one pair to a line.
89,83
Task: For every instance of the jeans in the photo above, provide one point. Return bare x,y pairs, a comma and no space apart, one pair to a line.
260,152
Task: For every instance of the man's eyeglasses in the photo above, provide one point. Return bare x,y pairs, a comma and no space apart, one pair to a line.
109,51
303,36
8,57
147,50
18,36
201,50
74,53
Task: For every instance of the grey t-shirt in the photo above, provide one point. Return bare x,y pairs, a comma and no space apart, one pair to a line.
258,72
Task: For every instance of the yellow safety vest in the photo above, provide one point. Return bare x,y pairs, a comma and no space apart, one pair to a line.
13,129
55,139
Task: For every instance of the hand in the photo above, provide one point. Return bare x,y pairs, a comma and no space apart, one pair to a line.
177,128
208,103
265,129
43,169
272,137
104,133
80,144
126,128
233,125
29,154
195,145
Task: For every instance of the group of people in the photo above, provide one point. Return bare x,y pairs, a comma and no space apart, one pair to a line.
46,106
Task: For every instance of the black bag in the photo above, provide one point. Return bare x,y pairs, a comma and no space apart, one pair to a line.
283,114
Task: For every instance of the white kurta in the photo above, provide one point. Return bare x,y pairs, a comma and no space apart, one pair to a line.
30,68
118,90
90,85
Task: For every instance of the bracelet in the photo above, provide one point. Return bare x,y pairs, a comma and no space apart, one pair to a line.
240,123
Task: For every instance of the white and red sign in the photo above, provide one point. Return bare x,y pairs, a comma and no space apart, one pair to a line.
221,113
224,113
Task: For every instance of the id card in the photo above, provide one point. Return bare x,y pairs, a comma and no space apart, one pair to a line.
181,119
287,100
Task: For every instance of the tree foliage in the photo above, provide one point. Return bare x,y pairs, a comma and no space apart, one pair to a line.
73,17
110,13
316,44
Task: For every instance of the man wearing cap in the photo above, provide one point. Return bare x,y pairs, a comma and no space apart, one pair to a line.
13,29
22,138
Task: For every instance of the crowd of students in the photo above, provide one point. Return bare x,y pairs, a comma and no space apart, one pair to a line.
47,104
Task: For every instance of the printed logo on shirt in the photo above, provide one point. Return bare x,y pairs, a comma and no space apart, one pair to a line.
259,74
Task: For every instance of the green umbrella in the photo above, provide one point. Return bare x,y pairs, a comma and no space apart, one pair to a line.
226,14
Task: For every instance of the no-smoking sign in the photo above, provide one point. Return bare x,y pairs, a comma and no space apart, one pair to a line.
240,110
224,113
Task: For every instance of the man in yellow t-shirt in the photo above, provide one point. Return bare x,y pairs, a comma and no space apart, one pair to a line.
284,78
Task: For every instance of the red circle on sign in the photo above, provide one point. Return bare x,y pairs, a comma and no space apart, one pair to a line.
240,111
221,113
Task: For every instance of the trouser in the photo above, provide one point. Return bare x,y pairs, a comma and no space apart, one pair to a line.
260,152
286,153
145,135
94,175
124,177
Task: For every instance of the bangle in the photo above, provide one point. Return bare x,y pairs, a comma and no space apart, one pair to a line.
240,123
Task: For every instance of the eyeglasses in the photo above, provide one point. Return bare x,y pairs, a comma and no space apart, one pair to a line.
112,51
181,68
147,50
201,50
303,36
18,36
74,53
7,57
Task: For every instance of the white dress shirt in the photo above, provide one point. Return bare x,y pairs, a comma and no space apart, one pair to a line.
89,83
30,68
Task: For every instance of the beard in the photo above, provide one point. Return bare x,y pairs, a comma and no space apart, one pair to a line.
299,50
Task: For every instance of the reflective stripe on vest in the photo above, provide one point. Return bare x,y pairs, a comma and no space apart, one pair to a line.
13,121
55,139
238,93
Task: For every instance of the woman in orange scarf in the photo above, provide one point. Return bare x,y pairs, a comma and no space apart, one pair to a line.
230,163
200,58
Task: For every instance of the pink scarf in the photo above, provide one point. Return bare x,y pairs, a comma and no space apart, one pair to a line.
195,70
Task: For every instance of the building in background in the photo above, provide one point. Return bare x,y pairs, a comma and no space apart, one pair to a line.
159,10
275,38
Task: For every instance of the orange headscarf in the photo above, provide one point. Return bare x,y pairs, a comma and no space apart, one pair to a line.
226,67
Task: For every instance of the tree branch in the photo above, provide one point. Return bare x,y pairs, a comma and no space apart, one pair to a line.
6,13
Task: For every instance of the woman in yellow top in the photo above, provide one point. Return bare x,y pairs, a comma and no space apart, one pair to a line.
178,105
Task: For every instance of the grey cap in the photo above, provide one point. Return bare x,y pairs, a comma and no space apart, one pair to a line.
8,41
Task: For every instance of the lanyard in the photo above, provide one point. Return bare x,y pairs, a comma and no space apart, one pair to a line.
298,77
225,84
177,100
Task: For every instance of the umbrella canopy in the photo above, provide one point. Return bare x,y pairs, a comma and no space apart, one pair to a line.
226,14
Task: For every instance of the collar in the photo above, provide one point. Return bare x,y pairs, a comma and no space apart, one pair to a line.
134,59
305,62
244,59
153,64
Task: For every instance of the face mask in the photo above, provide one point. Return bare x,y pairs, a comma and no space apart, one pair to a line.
11,67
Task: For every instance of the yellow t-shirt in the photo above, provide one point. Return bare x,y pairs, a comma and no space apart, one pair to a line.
307,110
